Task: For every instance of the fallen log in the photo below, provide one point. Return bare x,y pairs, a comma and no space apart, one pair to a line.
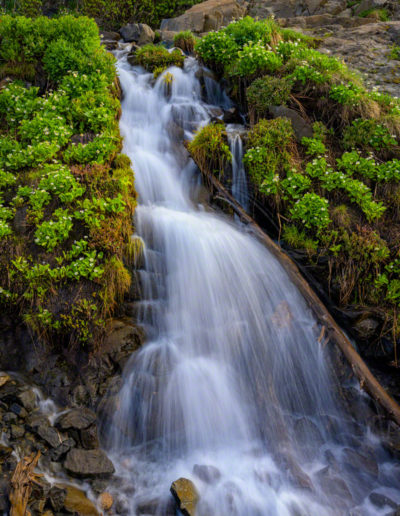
367,380
21,484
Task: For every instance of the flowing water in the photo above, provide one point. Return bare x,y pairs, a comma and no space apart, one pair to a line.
239,180
233,377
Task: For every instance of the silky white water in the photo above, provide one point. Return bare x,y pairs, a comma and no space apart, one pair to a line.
233,374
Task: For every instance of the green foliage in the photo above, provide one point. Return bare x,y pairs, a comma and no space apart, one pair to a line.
186,41
268,153
368,134
247,30
152,57
380,14
255,59
110,13
268,91
311,211
217,49
298,239
57,175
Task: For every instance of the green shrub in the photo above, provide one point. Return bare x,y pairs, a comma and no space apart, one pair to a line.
255,59
247,30
267,91
268,154
368,134
217,49
311,211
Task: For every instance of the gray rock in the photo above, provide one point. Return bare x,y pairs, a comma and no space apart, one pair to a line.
51,435
361,462
17,431
366,328
89,437
27,399
139,33
208,474
78,419
18,410
87,463
204,17
380,500
57,453
300,126
366,5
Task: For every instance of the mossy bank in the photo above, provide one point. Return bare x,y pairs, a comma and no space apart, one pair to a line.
323,159
67,195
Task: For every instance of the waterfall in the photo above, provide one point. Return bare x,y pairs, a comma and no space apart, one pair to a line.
239,179
234,373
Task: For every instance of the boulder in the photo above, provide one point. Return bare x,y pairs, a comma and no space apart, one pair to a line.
106,501
77,419
4,378
88,463
367,5
381,500
139,33
51,435
362,462
300,126
27,399
77,502
186,496
208,474
207,16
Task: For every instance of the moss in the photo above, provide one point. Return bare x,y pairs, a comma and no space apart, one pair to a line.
153,57
210,150
265,92
377,14
186,41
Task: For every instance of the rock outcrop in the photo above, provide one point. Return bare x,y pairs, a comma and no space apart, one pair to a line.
207,16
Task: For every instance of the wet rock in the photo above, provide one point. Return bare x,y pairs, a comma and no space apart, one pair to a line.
88,463
18,410
51,435
62,449
4,378
139,33
110,35
208,474
57,496
106,501
89,437
307,432
9,417
361,462
39,494
336,488
207,16
380,500
300,126
4,492
27,399
366,328
77,502
232,116
77,419
186,496
17,431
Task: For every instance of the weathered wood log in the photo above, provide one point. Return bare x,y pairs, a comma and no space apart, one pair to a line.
367,380
21,484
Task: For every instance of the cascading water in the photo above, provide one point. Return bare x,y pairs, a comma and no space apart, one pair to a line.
233,375
239,179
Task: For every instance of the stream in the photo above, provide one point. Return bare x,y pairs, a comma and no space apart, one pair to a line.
233,389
